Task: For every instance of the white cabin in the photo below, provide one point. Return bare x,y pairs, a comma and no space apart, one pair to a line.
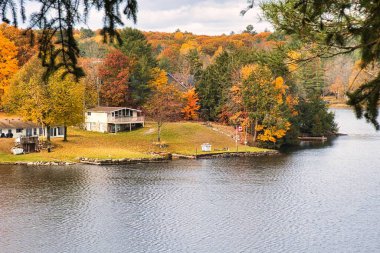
113,119
16,128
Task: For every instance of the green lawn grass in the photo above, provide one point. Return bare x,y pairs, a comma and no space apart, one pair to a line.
181,138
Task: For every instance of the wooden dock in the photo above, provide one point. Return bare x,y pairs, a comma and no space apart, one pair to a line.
310,138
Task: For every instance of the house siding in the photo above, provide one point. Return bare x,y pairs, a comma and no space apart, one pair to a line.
112,120
19,132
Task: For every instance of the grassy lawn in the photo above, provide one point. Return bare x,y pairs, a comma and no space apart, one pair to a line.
181,137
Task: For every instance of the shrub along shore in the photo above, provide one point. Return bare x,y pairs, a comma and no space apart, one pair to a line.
181,140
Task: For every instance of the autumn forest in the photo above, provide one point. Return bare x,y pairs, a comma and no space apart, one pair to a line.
255,81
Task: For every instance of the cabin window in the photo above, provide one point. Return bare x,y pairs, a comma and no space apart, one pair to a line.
41,131
88,113
60,130
53,131
113,114
19,130
34,131
29,131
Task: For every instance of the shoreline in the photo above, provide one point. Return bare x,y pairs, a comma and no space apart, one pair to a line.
161,159
339,106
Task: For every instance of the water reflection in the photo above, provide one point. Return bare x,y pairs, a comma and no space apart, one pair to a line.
322,198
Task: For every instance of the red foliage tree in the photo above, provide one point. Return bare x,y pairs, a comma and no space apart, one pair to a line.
115,73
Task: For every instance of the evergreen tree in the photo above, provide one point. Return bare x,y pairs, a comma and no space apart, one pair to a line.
213,87
86,33
135,45
311,76
314,119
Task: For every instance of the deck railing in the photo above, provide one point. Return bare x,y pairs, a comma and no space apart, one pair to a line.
138,119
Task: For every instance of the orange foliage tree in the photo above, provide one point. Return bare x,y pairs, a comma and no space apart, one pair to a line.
91,80
8,62
190,111
21,39
337,87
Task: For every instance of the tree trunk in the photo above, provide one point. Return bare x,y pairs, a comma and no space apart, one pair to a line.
255,132
48,133
158,132
65,133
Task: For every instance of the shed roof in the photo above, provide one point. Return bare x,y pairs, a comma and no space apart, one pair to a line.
16,123
109,109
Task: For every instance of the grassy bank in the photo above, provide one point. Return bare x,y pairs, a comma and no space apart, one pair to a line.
182,138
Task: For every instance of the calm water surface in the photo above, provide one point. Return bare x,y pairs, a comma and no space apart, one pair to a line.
323,198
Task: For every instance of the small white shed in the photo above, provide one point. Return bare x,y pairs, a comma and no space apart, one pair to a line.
206,147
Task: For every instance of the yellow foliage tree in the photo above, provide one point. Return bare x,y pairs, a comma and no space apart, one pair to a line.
66,100
293,56
266,101
218,52
272,133
58,100
246,71
188,46
160,78
178,36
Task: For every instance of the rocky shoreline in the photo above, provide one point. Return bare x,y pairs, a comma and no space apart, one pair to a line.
39,163
226,155
162,157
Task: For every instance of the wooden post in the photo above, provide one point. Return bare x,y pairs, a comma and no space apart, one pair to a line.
236,137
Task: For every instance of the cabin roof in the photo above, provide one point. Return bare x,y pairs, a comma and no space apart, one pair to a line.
16,123
109,109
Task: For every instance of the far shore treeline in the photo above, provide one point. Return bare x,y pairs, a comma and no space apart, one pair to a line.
254,81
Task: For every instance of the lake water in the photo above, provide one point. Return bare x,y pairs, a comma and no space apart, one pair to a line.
317,198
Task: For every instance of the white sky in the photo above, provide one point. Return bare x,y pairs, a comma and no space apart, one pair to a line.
211,17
